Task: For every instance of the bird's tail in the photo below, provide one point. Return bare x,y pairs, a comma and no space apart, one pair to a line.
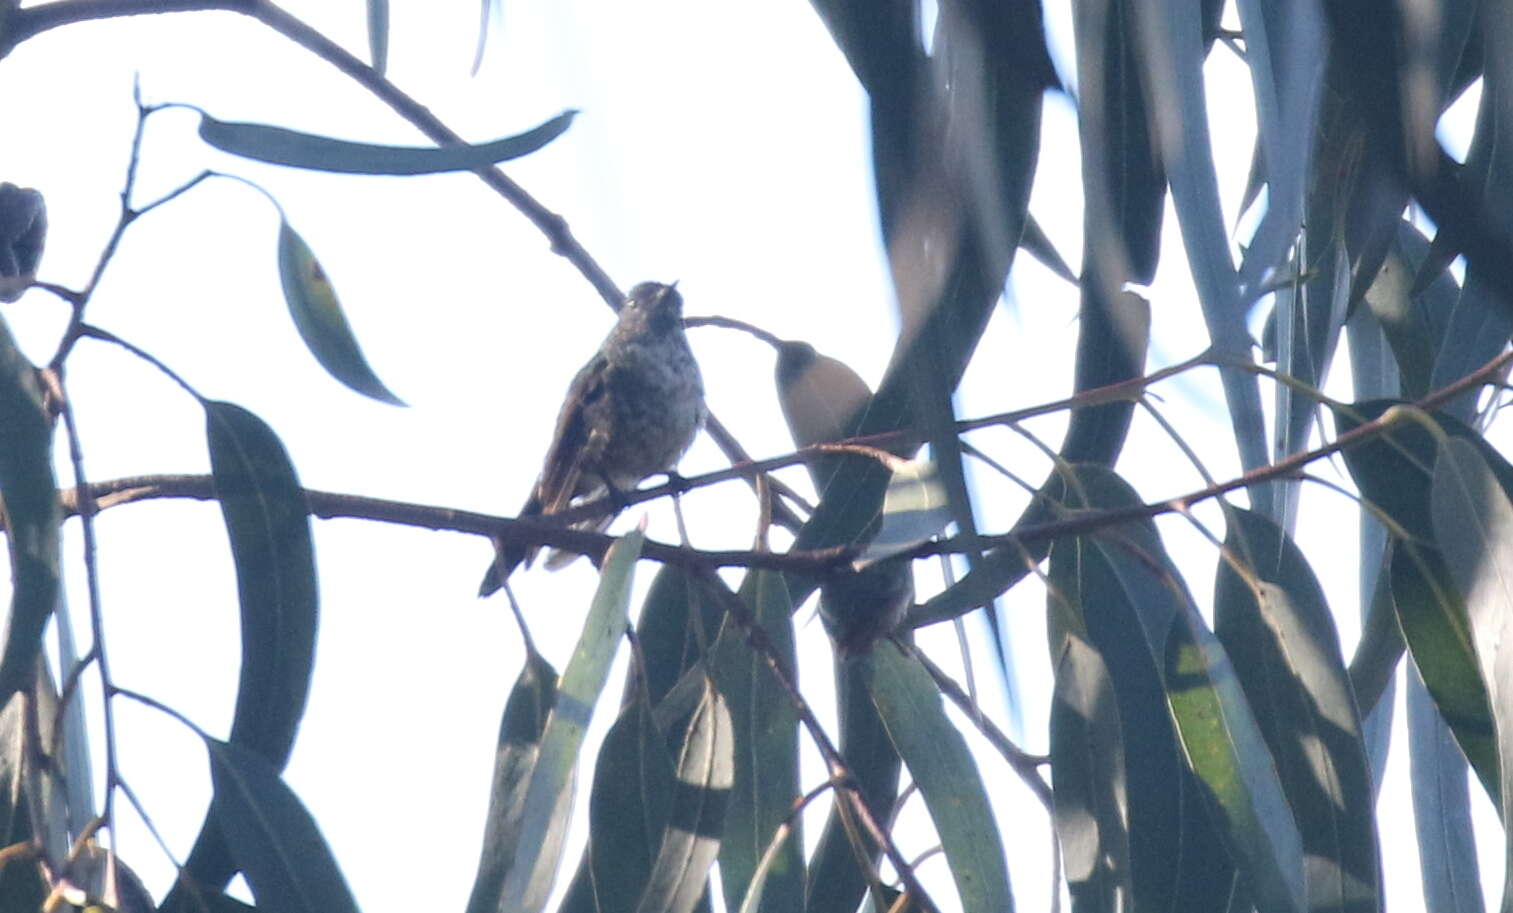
509,557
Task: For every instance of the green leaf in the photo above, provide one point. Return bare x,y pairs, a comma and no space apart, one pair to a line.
1171,52
319,318
1225,748
1178,857
629,808
268,524
534,861
22,889
690,844
1473,524
676,626
836,880
272,837
766,775
1441,809
1122,214
1432,614
32,516
378,34
279,146
1087,774
515,757
1275,625
945,772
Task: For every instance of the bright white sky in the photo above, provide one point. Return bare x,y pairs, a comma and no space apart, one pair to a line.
720,145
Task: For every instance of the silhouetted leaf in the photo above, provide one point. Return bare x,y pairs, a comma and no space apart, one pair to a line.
272,837
765,779
629,808
529,875
1432,614
515,756
32,516
836,880
268,524
1473,525
1273,621
1087,773
689,846
319,318
279,146
946,774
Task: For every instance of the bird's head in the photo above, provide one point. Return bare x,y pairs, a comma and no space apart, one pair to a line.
652,307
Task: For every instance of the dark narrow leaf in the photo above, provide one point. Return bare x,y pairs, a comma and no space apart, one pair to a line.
30,495
1441,812
1431,612
1087,773
319,318
1284,46
676,626
268,525
534,862
1040,247
1473,525
766,773
515,756
946,774
378,34
272,837
629,808
22,889
689,846
1273,621
1378,652
1171,54
1225,747
1124,194
1374,375
1480,322
1119,587
835,880
279,146
1414,320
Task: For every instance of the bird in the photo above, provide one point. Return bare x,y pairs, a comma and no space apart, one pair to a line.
631,412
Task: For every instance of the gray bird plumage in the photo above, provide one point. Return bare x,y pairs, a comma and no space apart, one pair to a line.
630,413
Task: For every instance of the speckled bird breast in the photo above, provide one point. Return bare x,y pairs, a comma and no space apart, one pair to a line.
656,398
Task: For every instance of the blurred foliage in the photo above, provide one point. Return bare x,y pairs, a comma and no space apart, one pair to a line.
1196,763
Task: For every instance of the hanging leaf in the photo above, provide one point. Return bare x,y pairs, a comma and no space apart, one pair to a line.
704,774
909,705
274,840
528,878
32,517
319,318
515,757
268,525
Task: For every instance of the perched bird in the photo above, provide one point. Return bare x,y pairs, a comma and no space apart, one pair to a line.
630,413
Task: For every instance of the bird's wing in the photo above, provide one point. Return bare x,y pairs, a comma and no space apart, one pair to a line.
573,443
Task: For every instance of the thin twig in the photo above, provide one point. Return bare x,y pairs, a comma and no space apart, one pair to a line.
840,773
97,625
1026,765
